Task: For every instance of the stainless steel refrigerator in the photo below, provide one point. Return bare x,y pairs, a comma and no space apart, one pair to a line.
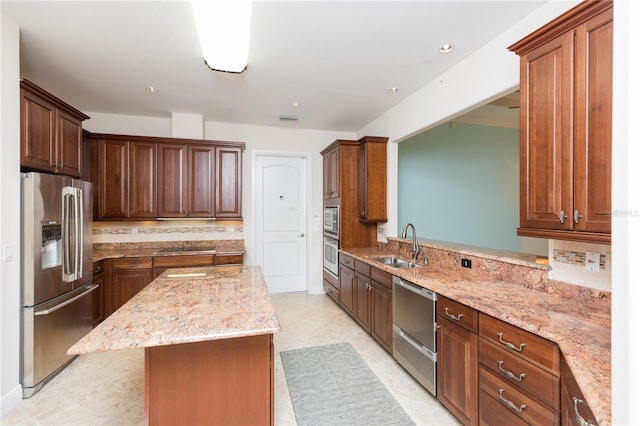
56,274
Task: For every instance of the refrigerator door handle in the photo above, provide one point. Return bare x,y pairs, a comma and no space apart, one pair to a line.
66,302
71,217
79,232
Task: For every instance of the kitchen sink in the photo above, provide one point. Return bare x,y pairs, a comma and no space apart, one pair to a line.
396,262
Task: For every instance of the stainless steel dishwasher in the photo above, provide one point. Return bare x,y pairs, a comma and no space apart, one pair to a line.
414,331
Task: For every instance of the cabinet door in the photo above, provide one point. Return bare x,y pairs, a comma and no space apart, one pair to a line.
594,70
362,311
98,300
228,182
114,188
546,113
347,278
128,283
373,180
172,180
457,367
142,180
202,179
69,144
37,134
381,315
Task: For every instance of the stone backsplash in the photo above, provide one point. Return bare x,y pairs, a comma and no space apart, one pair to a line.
524,270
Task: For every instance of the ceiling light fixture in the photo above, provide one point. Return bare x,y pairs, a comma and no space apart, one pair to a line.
223,28
393,90
446,48
295,104
151,89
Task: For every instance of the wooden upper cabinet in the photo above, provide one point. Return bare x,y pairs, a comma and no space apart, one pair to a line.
565,126
50,132
331,174
202,174
127,187
372,186
228,182
172,180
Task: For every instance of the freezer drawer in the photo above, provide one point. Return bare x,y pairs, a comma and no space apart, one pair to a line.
49,330
418,360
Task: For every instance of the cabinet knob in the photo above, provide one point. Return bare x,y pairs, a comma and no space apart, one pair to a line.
563,216
576,216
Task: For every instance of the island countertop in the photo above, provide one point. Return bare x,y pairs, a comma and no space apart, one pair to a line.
186,305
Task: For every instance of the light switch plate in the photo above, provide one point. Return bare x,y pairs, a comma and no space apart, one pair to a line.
8,253
592,261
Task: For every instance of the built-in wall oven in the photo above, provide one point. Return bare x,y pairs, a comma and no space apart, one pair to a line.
331,255
414,331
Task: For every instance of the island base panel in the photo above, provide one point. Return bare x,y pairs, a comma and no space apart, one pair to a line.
227,381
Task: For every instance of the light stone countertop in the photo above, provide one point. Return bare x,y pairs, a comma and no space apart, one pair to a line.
583,335
178,307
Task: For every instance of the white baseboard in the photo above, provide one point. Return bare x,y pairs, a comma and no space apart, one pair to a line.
10,400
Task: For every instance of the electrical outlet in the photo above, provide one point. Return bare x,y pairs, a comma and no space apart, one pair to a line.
592,261
466,263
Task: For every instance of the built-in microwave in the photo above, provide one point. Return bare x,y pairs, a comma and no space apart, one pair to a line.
331,221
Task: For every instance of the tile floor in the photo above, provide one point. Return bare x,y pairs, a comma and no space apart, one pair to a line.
107,388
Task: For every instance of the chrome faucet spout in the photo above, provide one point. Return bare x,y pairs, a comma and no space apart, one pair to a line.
414,253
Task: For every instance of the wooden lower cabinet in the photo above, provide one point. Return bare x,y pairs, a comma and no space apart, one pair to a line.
125,277
457,370
98,293
226,382
574,409
229,259
347,282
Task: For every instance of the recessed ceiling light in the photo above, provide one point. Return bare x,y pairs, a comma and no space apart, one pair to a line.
446,48
393,89
295,104
151,89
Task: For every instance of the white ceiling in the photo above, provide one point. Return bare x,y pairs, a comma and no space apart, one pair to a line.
336,58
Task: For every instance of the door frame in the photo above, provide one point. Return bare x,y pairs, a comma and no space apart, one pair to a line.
306,156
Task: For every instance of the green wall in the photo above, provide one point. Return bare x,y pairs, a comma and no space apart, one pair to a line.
461,184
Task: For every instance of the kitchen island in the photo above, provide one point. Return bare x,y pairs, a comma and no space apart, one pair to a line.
208,339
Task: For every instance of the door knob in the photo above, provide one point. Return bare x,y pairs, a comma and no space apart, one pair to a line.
301,235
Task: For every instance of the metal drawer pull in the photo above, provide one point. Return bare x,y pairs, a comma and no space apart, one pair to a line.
563,216
579,419
511,404
510,345
509,373
453,317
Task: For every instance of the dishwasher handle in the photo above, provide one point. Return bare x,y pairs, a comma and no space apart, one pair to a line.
421,291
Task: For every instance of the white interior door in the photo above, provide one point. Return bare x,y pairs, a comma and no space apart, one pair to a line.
281,228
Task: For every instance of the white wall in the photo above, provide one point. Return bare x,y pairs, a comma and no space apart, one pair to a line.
10,390
256,138
626,207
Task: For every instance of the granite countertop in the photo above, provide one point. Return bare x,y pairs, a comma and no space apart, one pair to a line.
583,336
185,305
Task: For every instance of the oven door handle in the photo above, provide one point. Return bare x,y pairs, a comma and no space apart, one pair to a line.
422,349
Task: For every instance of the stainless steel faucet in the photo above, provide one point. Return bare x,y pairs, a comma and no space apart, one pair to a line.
415,241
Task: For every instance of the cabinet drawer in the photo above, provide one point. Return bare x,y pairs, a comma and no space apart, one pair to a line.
513,399
527,376
460,314
132,263
362,267
346,260
331,291
330,278
187,260
535,349
494,413
228,259
381,276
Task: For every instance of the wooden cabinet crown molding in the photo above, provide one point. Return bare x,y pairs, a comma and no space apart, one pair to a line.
59,103
563,23
165,140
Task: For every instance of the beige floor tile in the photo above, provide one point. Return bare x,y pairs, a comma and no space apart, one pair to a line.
108,388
